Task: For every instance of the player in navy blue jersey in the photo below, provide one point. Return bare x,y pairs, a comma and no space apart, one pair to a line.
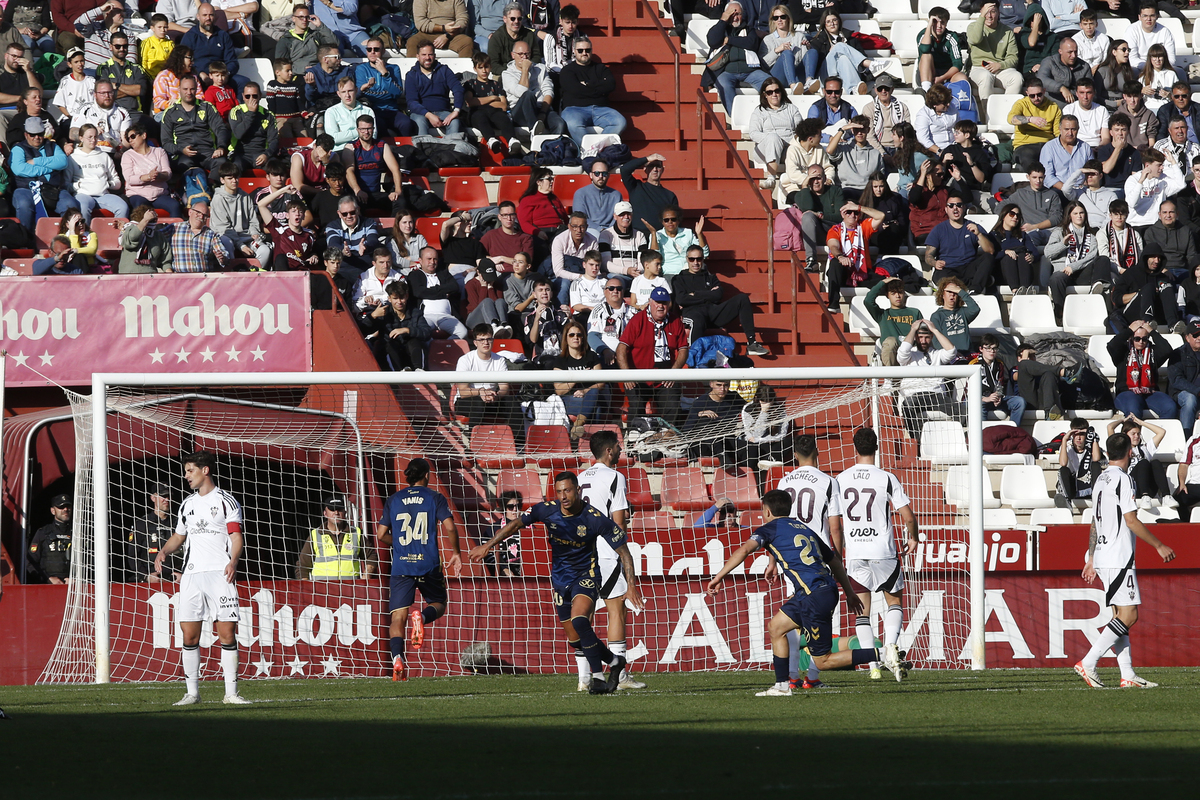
815,572
409,525
573,527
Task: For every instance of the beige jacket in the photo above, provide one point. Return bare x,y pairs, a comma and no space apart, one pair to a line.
796,164
428,13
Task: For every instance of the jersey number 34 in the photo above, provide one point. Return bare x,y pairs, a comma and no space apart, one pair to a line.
413,528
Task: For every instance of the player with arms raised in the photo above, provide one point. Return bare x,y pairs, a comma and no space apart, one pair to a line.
812,569
868,496
573,526
1110,558
816,501
604,489
409,525
210,524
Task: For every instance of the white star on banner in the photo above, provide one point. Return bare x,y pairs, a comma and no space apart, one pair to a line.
332,666
46,358
263,666
297,666
182,355
207,353
258,353
233,354
157,356
20,358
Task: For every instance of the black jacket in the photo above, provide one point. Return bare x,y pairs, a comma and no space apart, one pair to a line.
693,290
1184,374
1118,351
586,86
447,288
50,552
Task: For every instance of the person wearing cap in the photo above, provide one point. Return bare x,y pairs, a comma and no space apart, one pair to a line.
49,556
1183,378
1086,185
149,533
195,247
608,319
44,162
193,133
597,200
16,77
75,89
1146,291
485,300
885,113
699,293
622,244
655,338
994,55
648,197
336,551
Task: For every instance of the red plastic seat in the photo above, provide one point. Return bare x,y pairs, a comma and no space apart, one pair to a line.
431,229
464,193
45,230
684,489
444,353
466,488
502,170
565,186
507,346
585,441
637,489
549,446
494,447
512,187
108,229
251,185
458,172
525,481
23,266
739,484
658,521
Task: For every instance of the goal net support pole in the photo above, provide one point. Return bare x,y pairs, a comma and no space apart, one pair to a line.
98,481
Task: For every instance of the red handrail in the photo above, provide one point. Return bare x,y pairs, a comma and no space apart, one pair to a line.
798,268
652,10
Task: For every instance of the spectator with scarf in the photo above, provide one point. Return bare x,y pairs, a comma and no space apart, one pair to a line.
886,112
849,258
1073,255
1139,352
997,378
1148,473
1078,461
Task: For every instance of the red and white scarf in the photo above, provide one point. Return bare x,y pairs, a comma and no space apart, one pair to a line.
1139,377
854,247
1076,242
1127,254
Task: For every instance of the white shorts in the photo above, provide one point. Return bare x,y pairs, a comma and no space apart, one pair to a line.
1120,586
875,575
207,596
612,579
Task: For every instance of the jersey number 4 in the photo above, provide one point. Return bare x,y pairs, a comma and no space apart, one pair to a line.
854,504
413,529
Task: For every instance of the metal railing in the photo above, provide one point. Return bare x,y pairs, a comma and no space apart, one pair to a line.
652,11
815,290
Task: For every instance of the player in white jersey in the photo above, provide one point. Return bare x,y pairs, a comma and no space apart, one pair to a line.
868,496
816,501
604,488
1110,558
210,525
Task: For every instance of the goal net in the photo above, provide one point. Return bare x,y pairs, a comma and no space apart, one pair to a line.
696,463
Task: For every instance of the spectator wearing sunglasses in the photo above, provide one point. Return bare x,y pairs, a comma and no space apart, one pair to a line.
254,129
504,560
1181,105
500,43
699,293
598,199
961,249
382,89
586,84
124,74
1139,353
1036,119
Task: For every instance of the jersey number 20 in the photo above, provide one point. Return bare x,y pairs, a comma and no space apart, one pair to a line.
413,530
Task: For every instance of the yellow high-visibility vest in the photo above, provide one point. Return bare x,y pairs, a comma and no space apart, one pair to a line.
331,562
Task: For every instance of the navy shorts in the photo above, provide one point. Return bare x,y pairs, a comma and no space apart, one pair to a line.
813,615
564,595
404,588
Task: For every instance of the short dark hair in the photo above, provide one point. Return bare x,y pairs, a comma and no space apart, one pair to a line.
806,445
201,459
506,204
593,255
670,209
219,67
988,340
280,63
569,12
157,18
1118,206
866,442
808,128
578,215
778,502
1132,88
481,59
278,167
229,169
567,476
649,255
364,118
603,440
1087,14
335,170
1118,446
482,329
397,289
1038,167
325,142
1094,163
1079,424
1119,119
1088,82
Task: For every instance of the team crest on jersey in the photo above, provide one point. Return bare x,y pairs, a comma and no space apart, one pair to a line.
587,583
581,530
214,511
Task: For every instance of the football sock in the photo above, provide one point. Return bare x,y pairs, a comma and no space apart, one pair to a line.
814,671
863,655
781,669
596,653
1124,657
866,635
892,620
191,668
1107,638
396,645
430,613
793,639
229,666
581,662
617,648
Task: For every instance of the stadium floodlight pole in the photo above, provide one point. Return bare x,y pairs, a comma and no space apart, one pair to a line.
100,521
976,478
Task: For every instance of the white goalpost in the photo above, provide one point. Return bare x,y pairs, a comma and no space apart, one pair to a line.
286,442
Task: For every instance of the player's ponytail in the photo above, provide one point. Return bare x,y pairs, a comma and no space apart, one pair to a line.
416,471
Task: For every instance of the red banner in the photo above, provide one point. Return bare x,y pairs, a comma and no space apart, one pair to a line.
67,327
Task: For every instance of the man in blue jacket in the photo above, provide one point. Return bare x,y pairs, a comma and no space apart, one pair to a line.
434,94
209,43
382,89
37,161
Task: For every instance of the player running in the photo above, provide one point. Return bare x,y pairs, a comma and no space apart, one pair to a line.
604,489
1110,558
409,525
868,496
210,524
811,567
816,501
573,527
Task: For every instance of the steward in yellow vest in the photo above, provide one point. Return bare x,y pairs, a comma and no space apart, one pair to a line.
336,551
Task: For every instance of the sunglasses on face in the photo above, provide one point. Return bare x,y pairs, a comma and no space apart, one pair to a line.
348,213
833,91
1035,95
772,91
612,288
670,219
583,49
599,173
695,260
954,205
374,49
1180,96
250,96
512,507
779,16
1140,338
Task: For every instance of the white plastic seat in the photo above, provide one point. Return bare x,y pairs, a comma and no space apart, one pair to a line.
743,107
914,103
999,519
1174,340
1024,487
1044,430
904,37
998,108
1085,314
1087,516
1003,180
258,70
925,303
1051,516
1098,349
989,319
1149,516
984,221
1173,443
1031,313
860,321
892,10
943,443
958,489
1195,517
697,36
1118,28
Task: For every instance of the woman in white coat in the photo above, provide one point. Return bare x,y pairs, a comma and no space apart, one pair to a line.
772,125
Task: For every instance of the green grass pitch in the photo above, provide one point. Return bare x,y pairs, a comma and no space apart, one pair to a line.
1012,734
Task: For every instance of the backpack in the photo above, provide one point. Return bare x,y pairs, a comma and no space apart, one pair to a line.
195,187
787,230
869,41
710,351
962,101
15,236
559,152
615,155
447,151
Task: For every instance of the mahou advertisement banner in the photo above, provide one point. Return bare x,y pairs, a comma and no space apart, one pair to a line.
67,327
